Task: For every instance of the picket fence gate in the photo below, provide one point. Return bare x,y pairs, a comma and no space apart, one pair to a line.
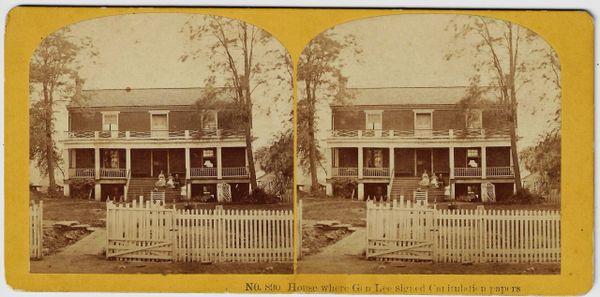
150,231
36,230
405,231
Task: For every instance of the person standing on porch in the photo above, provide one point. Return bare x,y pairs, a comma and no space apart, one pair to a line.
425,179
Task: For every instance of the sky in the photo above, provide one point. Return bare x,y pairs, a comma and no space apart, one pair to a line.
410,50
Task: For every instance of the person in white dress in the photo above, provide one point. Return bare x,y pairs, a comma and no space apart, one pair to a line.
425,179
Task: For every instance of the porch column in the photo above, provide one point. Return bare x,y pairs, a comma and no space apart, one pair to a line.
483,163
451,161
452,191
97,192
361,191
97,163
219,163
328,189
360,164
188,189
187,163
392,162
328,161
66,163
127,161
66,166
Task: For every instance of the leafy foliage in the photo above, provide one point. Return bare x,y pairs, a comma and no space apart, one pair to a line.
512,57
277,159
243,57
544,158
345,187
53,77
320,71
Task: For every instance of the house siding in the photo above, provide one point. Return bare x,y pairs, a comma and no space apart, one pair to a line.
134,121
86,121
448,119
398,120
348,120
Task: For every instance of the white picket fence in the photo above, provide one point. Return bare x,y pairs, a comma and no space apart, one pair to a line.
149,231
36,230
405,231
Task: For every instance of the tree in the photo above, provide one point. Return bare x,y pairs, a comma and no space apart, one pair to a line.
544,158
53,77
277,158
320,70
506,53
241,55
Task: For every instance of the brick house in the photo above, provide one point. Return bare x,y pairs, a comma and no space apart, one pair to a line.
386,138
124,138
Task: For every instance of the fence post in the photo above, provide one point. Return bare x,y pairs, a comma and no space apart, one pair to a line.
299,228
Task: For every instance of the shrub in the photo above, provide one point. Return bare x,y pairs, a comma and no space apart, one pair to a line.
344,187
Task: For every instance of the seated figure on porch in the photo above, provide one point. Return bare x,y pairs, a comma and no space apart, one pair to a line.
161,180
170,182
425,179
434,181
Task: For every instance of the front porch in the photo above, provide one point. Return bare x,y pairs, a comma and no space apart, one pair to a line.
458,162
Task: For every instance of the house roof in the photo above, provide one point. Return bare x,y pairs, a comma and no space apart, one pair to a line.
405,96
147,97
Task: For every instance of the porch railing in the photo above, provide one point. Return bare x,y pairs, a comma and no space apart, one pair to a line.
154,134
467,172
203,171
376,172
421,133
234,171
82,172
344,171
500,171
113,172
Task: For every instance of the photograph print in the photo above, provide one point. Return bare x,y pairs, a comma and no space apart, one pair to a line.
161,143
429,144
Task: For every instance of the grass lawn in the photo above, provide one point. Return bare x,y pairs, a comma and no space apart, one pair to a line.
344,210
354,212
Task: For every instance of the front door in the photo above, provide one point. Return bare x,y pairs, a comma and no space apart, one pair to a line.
423,160
160,162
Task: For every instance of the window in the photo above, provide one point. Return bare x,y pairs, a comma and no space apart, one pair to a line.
373,120
423,121
110,121
474,119
160,122
209,120
473,159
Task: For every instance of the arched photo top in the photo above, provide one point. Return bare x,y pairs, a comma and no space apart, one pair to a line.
153,81
429,78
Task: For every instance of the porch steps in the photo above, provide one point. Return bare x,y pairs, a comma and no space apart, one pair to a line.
406,185
143,186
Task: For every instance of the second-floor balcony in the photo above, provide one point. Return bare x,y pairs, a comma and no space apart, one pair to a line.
367,172
104,172
210,172
154,134
502,171
419,134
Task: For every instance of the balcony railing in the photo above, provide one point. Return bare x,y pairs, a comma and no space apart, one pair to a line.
421,133
500,171
113,172
344,171
203,171
467,172
376,172
234,171
154,134
82,172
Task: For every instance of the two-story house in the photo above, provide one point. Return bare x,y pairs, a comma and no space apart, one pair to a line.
386,138
124,138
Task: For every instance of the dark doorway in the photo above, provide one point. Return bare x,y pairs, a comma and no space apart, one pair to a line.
423,161
160,162
404,162
140,163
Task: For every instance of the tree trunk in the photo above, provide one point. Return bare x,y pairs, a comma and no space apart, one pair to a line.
250,156
49,158
312,148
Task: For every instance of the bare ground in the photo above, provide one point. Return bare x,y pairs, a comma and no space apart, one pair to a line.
98,264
